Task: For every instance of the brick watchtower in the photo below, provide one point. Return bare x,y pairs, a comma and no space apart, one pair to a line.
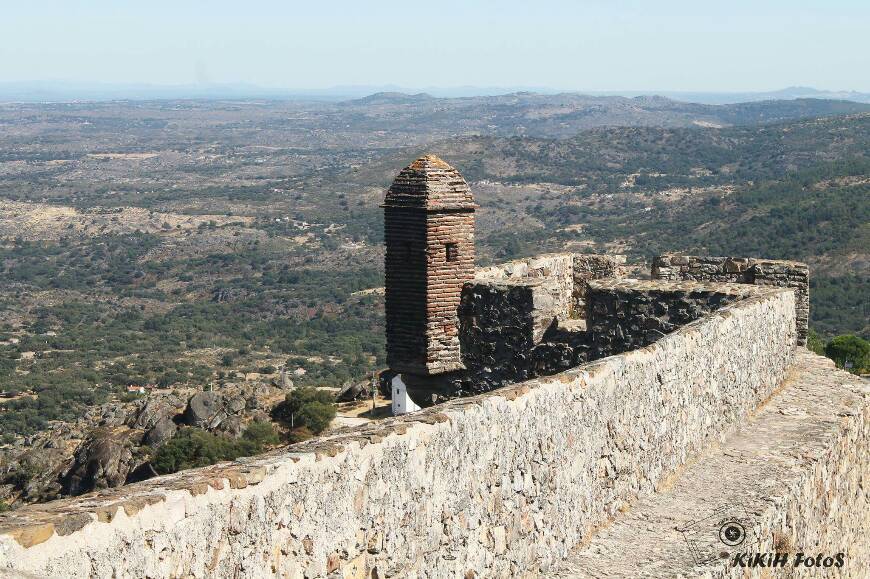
429,236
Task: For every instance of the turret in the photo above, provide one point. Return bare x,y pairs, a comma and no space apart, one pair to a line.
429,237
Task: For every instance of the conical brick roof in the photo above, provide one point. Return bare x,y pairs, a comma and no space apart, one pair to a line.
429,183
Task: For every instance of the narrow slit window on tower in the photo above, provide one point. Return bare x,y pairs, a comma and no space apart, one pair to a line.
452,250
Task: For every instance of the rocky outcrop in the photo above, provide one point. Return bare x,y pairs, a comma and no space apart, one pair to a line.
162,431
34,474
103,461
231,426
150,413
209,410
205,410
110,444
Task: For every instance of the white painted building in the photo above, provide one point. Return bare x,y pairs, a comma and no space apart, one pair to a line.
402,403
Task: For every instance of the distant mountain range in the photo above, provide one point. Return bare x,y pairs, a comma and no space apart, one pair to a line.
790,93
565,114
62,91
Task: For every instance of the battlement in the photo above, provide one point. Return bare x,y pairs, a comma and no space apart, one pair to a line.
749,270
678,366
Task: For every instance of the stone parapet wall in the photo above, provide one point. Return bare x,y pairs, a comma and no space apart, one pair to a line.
588,267
826,509
552,275
796,473
516,319
496,484
624,315
563,275
768,272
498,330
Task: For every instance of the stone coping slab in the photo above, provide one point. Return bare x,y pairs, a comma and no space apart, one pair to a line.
655,285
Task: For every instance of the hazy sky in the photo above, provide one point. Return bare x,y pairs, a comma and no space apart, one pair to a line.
701,45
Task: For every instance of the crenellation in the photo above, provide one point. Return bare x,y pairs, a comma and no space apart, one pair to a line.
768,272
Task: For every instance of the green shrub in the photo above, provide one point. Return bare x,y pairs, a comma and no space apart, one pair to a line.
815,343
300,434
195,447
314,409
261,434
851,349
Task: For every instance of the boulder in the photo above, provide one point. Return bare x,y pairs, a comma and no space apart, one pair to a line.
113,415
150,413
285,382
282,380
162,431
253,402
231,426
35,474
350,392
235,404
103,460
205,410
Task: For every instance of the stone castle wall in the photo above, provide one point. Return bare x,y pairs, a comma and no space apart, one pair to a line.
589,267
551,276
564,277
768,272
495,484
795,472
624,315
518,319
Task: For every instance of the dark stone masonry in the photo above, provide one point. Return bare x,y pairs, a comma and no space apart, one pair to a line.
769,272
624,316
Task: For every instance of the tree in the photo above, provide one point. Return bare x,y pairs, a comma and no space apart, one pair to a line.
308,407
316,415
815,343
851,349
